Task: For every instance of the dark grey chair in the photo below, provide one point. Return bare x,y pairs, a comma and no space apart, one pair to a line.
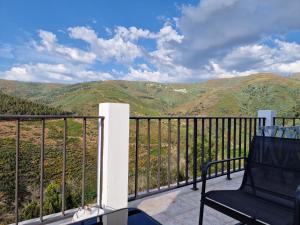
270,191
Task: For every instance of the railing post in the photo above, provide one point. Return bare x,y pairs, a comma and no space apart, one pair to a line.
17,172
228,147
195,155
136,168
115,156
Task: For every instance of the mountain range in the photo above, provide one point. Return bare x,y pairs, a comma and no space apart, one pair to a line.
228,96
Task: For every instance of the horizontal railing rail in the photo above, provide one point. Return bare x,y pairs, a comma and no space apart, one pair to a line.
192,117
286,121
38,117
18,123
168,152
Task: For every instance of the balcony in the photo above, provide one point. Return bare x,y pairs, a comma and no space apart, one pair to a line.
165,159
181,206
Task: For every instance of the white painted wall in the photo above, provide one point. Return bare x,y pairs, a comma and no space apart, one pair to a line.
268,114
115,155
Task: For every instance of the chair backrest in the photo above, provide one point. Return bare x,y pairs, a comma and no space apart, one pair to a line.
273,169
279,131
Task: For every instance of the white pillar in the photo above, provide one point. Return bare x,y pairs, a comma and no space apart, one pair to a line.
268,114
115,155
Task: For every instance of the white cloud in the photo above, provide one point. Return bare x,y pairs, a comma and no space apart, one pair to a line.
215,38
286,68
60,73
168,34
148,75
132,33
49,44
214,27
282,57
123,50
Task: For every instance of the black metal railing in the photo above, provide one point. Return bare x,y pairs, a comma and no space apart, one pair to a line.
168,152
286,121
165,152
91,123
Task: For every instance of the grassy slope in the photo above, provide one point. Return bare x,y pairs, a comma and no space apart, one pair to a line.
244,96
26,89
145,98
15,105
233,96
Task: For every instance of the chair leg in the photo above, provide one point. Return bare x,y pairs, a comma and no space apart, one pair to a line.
201,212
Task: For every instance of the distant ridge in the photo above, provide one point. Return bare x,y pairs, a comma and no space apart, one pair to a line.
228,96
246,95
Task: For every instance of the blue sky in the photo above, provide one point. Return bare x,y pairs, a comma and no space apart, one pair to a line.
164,41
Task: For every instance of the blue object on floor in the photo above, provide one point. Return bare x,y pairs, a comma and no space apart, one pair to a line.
130,216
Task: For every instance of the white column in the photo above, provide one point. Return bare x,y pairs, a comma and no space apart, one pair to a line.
268,114
115,155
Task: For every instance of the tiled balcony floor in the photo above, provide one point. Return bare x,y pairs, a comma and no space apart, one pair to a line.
181,206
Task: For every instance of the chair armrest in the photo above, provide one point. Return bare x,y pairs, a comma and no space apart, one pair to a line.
206,167
297,206
209,164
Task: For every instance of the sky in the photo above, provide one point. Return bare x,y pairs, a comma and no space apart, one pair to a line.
64,41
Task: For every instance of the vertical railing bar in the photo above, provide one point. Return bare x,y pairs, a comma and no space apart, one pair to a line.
283,122
178,150
159,153
209,145
148,154
294,121
223,144
245,139
195,136
228,146
101,158
64,168
187,151
217,145
259,122
42,169
169,152
83,162
250,132
137,130
255,126
234,143
240,142
202,142
17,172
274,121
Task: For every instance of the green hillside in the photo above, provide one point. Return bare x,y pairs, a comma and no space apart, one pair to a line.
12,105
145,98
30,90
246,95
233,96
